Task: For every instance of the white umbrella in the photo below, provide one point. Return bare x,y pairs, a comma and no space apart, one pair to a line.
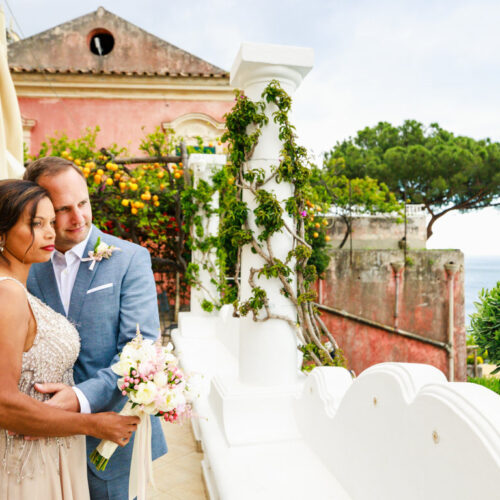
11,128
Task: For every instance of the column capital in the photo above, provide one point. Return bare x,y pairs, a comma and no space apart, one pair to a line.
256,64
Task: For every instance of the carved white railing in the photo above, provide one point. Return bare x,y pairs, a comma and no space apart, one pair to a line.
401,431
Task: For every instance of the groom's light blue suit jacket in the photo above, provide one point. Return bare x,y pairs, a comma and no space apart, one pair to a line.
106,305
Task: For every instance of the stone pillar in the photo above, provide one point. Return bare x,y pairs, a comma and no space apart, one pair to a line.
268,350
204,167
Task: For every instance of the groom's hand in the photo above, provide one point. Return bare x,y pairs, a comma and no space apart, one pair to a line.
64,396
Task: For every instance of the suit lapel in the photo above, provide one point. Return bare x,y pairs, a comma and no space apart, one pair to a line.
47,285
83,279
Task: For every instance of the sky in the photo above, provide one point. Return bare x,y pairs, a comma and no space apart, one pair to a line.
375,60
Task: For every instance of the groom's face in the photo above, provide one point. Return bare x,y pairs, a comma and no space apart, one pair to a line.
69,194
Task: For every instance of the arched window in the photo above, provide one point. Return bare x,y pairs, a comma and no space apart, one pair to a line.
193,125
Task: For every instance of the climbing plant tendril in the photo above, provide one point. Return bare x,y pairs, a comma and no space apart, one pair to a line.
244,125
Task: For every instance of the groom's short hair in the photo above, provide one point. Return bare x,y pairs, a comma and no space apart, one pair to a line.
50,165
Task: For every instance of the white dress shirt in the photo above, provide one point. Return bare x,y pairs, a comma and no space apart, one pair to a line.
66,267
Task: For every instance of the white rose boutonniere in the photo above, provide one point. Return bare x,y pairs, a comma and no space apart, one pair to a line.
101,251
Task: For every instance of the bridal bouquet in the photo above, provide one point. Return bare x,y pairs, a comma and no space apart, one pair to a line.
155,385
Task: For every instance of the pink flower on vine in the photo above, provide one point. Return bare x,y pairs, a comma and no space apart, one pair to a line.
303,213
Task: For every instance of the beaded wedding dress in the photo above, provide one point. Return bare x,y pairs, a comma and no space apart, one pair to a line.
48,468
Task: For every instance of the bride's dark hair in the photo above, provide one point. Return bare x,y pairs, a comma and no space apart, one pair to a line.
15,196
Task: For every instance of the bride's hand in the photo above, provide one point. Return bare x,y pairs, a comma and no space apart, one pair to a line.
114,427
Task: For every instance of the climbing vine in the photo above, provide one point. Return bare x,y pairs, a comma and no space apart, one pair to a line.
298,216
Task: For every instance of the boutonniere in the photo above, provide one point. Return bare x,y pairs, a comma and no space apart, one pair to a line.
101,251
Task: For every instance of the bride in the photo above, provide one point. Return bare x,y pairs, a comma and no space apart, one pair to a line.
38,345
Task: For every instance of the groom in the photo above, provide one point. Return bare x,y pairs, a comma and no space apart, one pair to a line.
105,304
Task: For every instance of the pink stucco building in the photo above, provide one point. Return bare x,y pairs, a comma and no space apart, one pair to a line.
101,70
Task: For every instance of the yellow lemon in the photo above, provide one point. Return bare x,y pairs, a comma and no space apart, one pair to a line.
125,203
315,234
133,210
109,181
100,171
78,162
156,203
133,186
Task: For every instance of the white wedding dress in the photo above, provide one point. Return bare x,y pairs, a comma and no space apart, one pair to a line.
48,468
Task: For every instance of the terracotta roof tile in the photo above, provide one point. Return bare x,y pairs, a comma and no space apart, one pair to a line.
65,49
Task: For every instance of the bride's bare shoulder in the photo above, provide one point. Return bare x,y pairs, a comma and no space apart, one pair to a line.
13,301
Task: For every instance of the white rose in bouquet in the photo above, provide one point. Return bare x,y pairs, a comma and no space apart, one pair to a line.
123,366
170,399
160,379
145,394
147,352
131,352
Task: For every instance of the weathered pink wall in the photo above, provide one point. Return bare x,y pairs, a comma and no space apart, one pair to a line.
121,120
368,289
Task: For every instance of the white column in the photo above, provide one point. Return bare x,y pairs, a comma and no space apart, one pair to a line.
268,350
204,167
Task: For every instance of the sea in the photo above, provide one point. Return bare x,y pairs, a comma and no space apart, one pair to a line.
480,272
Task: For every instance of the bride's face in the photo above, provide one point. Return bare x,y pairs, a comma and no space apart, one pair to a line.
31,240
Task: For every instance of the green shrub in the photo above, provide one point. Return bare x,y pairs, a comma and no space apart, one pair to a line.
489,382
485,325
